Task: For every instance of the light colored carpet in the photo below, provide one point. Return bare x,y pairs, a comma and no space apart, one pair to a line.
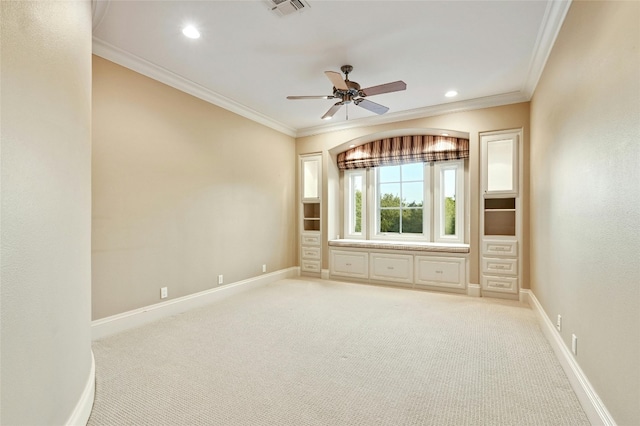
314,352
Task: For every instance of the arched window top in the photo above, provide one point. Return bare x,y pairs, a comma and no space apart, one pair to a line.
404,149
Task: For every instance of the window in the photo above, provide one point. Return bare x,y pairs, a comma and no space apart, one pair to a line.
400,199
355,199
412,201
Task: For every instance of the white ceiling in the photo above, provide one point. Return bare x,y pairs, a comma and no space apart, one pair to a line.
248,59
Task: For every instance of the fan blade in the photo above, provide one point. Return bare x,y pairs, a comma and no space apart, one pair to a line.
311,97
332,110
371,106
336,80
396,86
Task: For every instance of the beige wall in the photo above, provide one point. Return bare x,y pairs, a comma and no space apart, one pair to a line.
182,191
473,122
585,196
46,210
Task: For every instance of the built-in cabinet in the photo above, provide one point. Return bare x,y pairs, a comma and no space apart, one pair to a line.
404,268
501,216
310,180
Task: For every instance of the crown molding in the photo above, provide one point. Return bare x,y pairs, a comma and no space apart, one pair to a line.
551,24
430,111
151,70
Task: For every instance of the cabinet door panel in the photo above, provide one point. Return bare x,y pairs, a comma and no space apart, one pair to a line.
309,239
391,267
310,266
500,248
349,264
492,265
500,284
311,253
440,271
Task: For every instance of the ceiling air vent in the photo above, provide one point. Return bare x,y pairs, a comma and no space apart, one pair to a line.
287,7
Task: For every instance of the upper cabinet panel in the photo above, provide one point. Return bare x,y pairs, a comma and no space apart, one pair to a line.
500,165
311,169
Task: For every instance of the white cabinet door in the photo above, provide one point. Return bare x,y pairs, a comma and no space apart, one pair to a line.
506,248
491,265
500,164
310,239
440,271
311,177
500,284
349,264
391,267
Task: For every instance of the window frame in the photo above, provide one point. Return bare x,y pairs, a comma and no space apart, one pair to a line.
432,211
349,204
439,201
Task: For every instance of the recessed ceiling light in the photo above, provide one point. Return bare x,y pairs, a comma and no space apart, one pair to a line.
352,145
451,94
191,31
445,134
327,118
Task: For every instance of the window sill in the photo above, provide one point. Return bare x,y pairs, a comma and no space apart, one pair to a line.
401,245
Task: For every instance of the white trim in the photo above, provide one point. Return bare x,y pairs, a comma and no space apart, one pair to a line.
430,111
593,406
551,24
163,75
324,274
137,317
82,410
473,290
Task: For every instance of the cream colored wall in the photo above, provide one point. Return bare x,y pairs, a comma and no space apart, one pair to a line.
585,196
473,122
46,210
182,191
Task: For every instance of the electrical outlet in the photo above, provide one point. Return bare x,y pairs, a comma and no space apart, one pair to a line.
574,344
559,323
264,268
220,280
164,292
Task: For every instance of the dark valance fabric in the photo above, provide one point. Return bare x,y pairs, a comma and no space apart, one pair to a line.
404,149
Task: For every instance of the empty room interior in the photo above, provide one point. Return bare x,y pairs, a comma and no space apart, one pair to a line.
320,212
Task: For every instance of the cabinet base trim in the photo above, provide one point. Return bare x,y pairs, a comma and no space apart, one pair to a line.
473,290
593,406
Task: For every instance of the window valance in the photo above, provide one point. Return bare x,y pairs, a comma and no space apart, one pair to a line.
404,149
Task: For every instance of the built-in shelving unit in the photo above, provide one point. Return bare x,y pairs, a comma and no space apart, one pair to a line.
501,217
310,214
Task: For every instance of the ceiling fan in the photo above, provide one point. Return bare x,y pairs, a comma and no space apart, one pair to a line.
349,91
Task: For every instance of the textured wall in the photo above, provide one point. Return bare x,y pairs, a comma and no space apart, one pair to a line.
182,191
473,122
46,209
585,196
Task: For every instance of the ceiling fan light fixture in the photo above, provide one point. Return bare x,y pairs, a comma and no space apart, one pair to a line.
451,94
191,32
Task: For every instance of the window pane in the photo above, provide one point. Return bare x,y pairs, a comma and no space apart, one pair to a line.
412,221
412,171
449,189
389,195
356,214
390,220
389,174
412,194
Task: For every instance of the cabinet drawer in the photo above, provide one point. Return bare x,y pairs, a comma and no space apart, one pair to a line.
311,253
500,248
391,267
349,264
309,239
441,271
492,265
500,284
310,266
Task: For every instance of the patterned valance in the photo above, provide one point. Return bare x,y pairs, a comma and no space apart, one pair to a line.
404,149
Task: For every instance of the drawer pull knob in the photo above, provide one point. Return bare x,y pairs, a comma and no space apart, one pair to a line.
348,264
438,272
389,267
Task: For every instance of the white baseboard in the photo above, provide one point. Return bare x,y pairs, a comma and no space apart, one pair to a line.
324,274
473,290
589,399
137,317
82,410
